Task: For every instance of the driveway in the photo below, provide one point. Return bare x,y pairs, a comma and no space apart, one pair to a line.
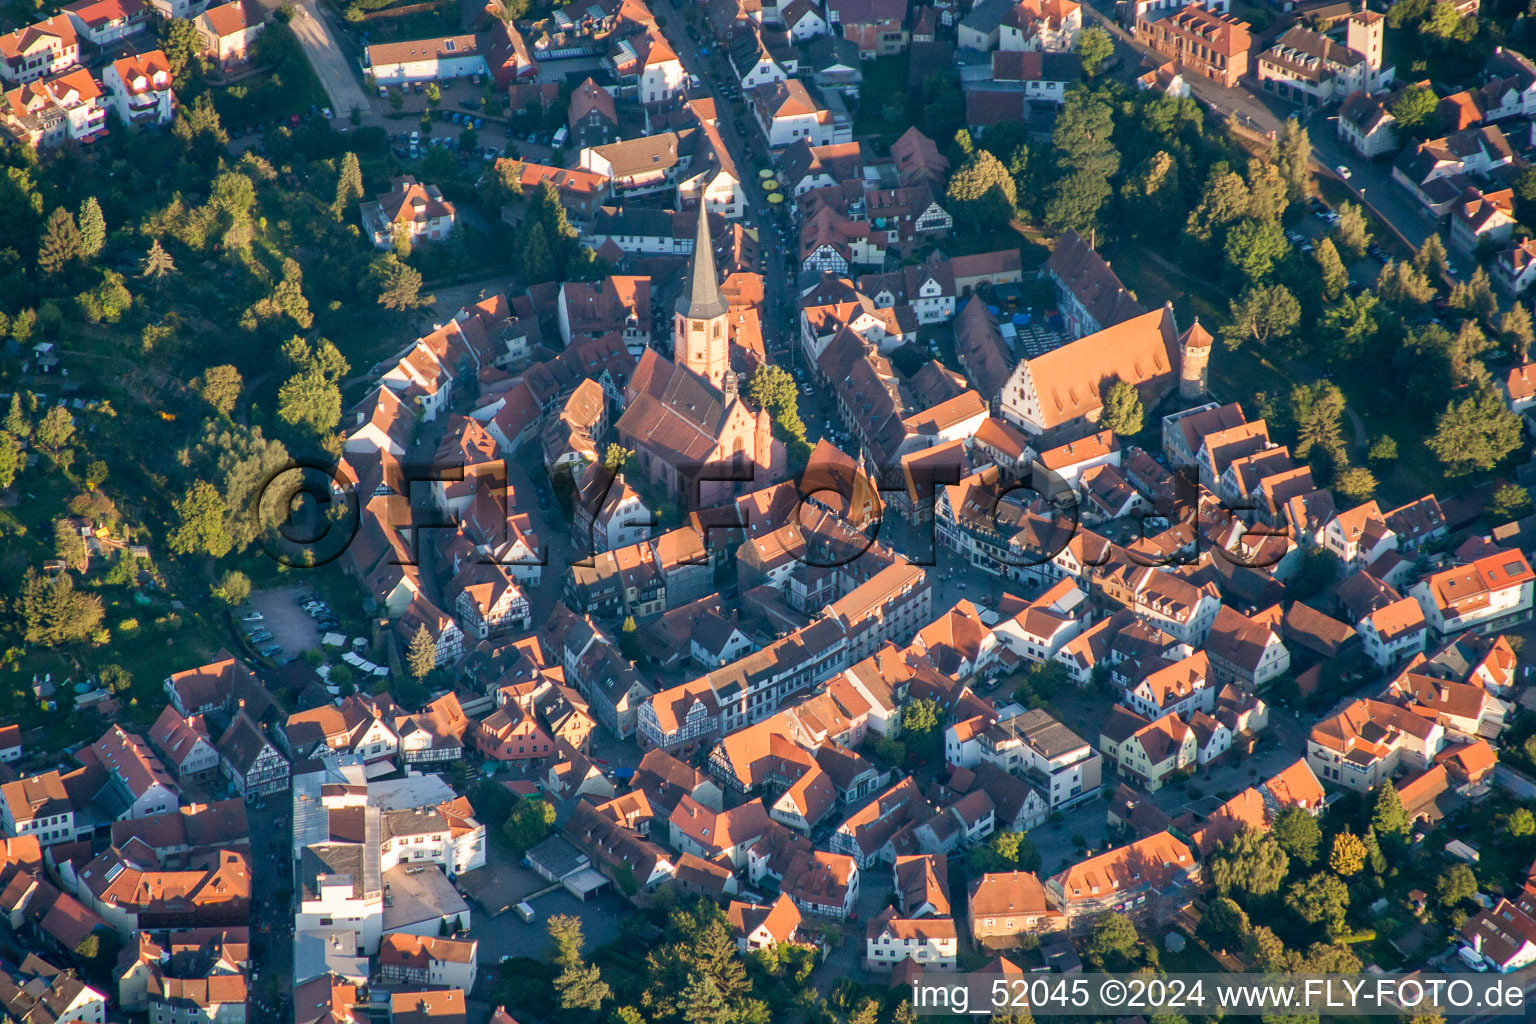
331,65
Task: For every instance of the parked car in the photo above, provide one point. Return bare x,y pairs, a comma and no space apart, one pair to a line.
268,651
1343,172
252,617
264,635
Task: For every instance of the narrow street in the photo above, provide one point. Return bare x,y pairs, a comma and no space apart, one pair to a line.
772,230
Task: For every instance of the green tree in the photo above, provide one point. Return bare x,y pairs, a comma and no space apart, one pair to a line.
1479,298
53,612
1153,191
1094,47
1268,192
565,939
1416,110
703,1002
1509,502
1350,324
529,824
1356,484
95,474
1383,450
1431,259
68,546
398,282
61,244
199,523
115,678
10,460
183,49
1111,941
1331,269
1005,851
617,457
421,655
1474,434
868,1012
920,718
17,423
1520,823
1347,856
310,401
1298,834
287,296
1261,312
503,183
1388,816
55,430
1223,201
157,262
1123,413
234,587
1404,287
1076,200
715,955
93,229
537,262
1317,409
1254,247
1224,924
1455,886
219,386
1251,862
1083,136
1293,155
581,988
772,388
1321,899
243,465
349,184
981,191
1351,231
1515,326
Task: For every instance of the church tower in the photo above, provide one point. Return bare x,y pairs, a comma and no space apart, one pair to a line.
699,335
1194,361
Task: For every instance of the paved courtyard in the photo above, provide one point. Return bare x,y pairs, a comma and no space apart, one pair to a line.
289,624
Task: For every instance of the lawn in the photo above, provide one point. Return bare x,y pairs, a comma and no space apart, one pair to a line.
1447,67
289,87
885,81
443,21
1192,959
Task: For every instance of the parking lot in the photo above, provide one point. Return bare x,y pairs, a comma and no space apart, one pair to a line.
292,628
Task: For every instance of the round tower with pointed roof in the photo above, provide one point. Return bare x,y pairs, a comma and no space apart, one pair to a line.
1194,362
700,340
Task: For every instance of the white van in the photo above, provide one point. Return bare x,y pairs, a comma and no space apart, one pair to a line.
560,137
525,911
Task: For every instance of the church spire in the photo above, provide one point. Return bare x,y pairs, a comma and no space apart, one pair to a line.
701,299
